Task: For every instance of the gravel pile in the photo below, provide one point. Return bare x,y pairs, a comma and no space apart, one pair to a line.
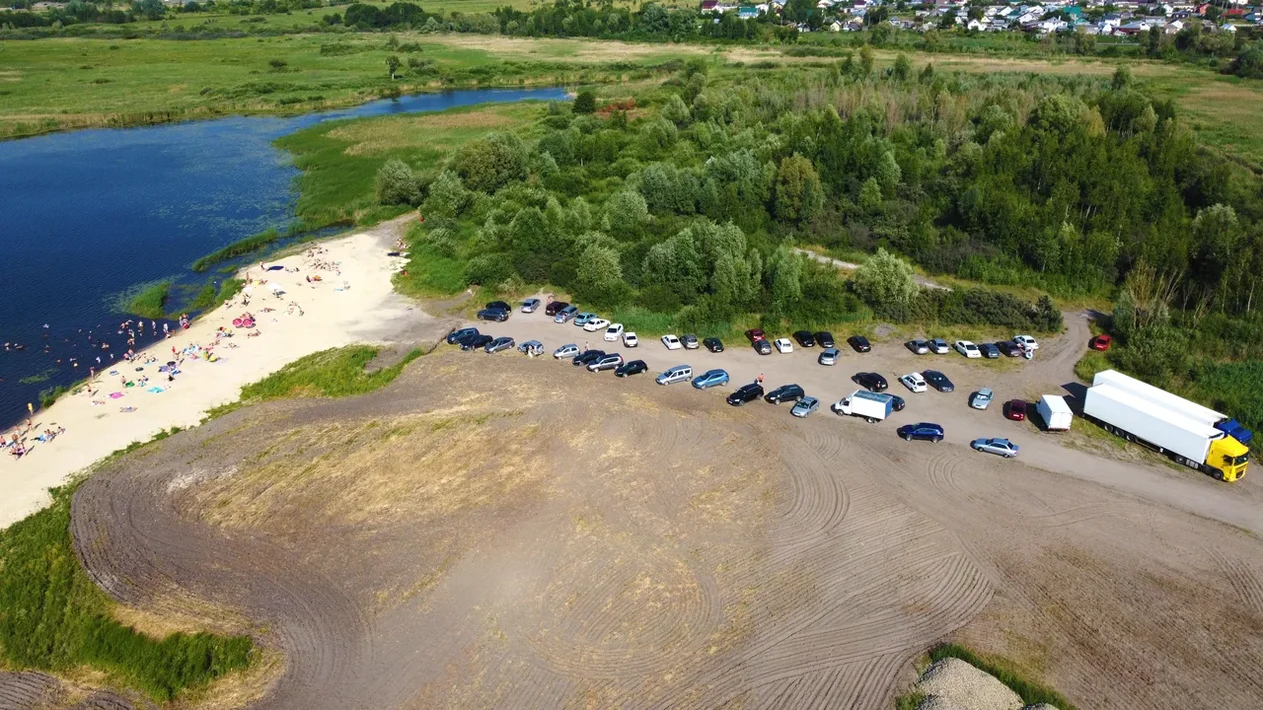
953,684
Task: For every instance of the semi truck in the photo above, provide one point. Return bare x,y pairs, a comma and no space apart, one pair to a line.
1170,425
1163,398
873,406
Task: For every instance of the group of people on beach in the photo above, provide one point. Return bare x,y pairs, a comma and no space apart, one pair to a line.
16,442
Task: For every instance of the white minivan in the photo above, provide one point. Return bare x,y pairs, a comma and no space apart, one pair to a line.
679,373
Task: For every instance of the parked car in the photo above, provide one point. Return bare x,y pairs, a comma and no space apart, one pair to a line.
503,342
595,324
999,447
476,342
532,348
565,314
762,346
938,381
938,346
498,306
1100,342
989,351
918,347
829,356
745,393
530,305
824,339
714,345
672,342
783,345
1009,348
805,338
614,332
679,373
968,349
710,378
635,367
464,340
584,318
982,398
805,406
566,352
493,314
587,357
690,341
611,361
1015,409
755,334
870,381
914,382
630,340
897,403
459,333
1026,341
925,431
555,307
859,343
785,393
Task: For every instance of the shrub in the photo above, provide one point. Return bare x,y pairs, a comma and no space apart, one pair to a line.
585,102
396,184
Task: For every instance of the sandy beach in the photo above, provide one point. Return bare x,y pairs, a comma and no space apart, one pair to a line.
353,302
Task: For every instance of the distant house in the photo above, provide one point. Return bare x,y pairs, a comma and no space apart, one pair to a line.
747,12
710,5
977,25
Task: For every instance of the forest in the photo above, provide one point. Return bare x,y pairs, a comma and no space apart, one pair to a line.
678,207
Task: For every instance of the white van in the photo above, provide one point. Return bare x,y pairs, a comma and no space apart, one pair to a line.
679,373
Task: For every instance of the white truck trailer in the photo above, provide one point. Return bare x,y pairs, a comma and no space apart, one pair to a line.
872,406
1163,398
1170,430
1055,412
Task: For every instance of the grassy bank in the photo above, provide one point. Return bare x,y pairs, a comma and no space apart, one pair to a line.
249,245
150,301
1006,672
53,618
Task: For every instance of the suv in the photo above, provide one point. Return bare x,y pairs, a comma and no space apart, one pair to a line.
859,343
710,378
566,314
870,381
785,393
454,336
745,393
922,430
679,373
555,307
497,306
635,367
805,338
494,314
606,362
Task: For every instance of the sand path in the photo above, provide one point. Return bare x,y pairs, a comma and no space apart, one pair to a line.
333,316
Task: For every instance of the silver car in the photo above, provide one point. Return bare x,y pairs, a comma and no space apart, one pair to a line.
504,342
566,352
829,356
805,406
999,447
981,398
918,347
532,348
939,346
529,305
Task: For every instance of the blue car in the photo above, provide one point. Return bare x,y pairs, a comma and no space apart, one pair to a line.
922,430
710,378
583,318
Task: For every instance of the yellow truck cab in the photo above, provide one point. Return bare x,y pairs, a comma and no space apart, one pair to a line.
1228,458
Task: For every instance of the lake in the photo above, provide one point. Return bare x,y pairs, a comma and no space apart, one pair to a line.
85,216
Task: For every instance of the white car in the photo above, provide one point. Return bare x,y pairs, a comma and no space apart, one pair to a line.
672,342
614,332
596,324
968,349
784,345
630,340
914,382
1026,341
566,352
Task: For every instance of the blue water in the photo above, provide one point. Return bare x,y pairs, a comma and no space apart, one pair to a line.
84,216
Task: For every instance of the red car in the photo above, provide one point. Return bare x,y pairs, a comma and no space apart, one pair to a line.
1100,342
754,334
1015,409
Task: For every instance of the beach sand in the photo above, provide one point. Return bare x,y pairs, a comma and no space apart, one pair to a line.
369,311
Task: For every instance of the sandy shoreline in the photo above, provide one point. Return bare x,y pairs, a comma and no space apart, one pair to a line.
367,311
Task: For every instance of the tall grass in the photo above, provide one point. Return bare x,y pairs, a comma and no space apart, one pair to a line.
53,618
430,273
249,245
210,296
150,301
1031,692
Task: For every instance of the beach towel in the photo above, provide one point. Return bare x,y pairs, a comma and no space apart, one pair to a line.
115,395
113,372
156,390
163,368
129,384
276,267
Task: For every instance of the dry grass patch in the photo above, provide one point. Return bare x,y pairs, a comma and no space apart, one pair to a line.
427,131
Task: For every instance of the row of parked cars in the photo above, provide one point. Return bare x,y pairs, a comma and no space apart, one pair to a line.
1020,345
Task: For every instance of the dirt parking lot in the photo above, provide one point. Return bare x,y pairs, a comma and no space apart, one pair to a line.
499,531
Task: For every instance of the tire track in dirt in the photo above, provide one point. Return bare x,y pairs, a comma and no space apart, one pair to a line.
27,689
1244,580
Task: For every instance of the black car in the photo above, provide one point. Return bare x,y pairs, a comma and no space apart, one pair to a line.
689,341
554,308
476,342
745,393
494,314
1009,348
762,346
805,338
870,381
897,403
587,357
824,339
859,343
714,345
785,393
921,430
459,333
989,351
498,306
938,381
635,367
